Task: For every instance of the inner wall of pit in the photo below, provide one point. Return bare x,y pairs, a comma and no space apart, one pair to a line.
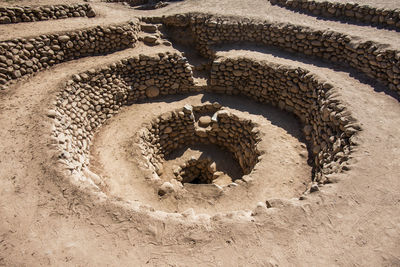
176,129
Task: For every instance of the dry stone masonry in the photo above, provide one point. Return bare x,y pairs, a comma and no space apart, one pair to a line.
23,56
91,97
39,13
207,31
186,126
198,171
349,11
328,126
96,95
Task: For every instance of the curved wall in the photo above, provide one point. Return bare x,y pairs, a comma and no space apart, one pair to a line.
94,96
48,12
23,56
370,58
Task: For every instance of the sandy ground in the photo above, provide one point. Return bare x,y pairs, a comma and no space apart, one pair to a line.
45,222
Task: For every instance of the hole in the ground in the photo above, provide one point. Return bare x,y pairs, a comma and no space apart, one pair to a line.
196,171
202,164
229,144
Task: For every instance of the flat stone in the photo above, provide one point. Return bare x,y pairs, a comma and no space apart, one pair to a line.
168,130
148,28
201,132
5,20
222,180
149,39
237,73
167,43
52,113
301,36
29,46
56,47
64,38
204,121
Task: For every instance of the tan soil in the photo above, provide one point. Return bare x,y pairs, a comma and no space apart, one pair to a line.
45,222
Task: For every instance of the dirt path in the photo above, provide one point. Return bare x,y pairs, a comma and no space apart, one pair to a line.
105,14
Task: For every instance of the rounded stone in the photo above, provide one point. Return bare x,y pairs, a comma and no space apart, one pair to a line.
150,39
168,130
152,91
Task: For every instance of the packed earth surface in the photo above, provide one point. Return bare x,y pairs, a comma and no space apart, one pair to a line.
199,133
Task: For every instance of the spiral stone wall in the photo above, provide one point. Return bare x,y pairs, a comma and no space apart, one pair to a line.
328,126
367,57
23,56
96,95
91,97
389,18
48,12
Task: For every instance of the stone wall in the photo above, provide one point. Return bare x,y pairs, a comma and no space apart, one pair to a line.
130,2
196,170
181,127
329,128
91,97
23,56
387,18
370,58
38,13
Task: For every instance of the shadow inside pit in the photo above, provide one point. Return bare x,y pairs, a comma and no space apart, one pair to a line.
151,4
224,160
283,119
